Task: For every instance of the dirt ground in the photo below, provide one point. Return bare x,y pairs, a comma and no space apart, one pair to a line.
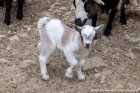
19,66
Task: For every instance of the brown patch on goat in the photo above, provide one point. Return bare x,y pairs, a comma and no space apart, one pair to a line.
93,10
68,33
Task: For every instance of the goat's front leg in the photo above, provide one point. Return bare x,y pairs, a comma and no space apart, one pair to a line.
1,3
123,15
73,63
108,29
20,9
80,74
8,4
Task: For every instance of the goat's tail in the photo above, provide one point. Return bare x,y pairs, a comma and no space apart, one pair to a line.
42,22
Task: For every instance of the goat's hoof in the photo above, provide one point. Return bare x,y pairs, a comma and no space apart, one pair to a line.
81,77
19,17
107,33
123,22
45,77
7,22
68,75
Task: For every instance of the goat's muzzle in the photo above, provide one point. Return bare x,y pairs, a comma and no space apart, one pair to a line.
87,46
79,22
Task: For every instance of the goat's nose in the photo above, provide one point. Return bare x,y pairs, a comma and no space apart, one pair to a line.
87,45
79,22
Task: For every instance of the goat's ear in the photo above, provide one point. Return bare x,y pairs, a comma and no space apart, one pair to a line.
99,28
99,2
78,28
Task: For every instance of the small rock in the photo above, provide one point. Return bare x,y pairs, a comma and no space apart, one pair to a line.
130,55
9,48
14,39
103,79
44,13
30,1
119,86
106,72
135,2
132,86
136,50
132,39
27,64
4,61
2,36
93,62
98,75
23,35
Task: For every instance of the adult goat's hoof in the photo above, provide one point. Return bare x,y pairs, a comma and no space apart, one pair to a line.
107,33
7,22
123,21
19,16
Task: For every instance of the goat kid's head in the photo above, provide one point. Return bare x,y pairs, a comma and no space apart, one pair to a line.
85,9
88,34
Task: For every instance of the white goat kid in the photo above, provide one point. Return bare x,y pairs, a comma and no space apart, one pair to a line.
75,44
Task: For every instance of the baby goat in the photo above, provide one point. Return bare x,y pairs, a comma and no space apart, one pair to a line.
75,44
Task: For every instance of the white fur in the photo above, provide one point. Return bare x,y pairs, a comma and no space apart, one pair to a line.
80,11
51,32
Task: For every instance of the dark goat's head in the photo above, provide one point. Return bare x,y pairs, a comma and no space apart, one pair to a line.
85,9
90,7
81,15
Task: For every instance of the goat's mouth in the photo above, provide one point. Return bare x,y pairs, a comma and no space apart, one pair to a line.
79,22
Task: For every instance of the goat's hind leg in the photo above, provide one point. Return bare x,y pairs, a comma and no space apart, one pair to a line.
45,52
20,9
73,63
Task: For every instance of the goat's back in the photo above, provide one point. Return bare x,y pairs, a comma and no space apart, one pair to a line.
57,33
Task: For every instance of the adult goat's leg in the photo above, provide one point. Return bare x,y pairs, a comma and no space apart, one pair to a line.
20,9
8,4
1,3
108,29
123,15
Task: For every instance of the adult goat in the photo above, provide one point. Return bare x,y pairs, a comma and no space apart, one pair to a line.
88,9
